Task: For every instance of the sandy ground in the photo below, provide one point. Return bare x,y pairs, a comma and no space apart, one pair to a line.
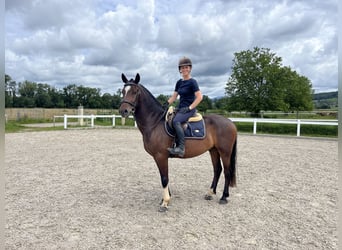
99,189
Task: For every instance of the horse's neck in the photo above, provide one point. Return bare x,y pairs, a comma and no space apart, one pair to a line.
147,119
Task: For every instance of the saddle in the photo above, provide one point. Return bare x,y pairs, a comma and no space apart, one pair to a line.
194,128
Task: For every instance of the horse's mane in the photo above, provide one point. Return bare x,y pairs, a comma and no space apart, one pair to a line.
153,104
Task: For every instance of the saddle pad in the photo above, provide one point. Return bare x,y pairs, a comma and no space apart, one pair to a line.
194,130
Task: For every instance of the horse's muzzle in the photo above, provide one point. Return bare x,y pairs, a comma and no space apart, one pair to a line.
126,111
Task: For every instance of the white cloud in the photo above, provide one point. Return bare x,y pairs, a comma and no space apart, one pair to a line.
92,42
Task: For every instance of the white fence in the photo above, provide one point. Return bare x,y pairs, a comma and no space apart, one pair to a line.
255,121
285,121
91,117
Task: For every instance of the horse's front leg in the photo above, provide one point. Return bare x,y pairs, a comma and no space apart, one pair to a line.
164,176
166,198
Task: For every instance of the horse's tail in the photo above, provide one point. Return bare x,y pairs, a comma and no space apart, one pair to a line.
232,167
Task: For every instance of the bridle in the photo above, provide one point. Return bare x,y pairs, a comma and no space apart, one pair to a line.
133,104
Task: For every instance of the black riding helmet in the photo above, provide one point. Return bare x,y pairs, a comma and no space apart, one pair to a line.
184,61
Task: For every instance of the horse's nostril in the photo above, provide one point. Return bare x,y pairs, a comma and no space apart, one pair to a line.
124,112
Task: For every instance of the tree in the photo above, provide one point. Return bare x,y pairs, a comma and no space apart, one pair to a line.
57,97
251,85
205,104
162,98
27,91
106,101
222,103
42,97
116,99
10,91
259,82
88,97
298,92
70,96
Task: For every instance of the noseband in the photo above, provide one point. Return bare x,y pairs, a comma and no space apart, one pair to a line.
130,103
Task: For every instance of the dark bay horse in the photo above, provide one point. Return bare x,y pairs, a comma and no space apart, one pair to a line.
220,139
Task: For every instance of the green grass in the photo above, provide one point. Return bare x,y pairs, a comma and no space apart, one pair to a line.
15,127
12,127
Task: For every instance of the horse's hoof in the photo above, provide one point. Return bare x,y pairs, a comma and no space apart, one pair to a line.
163,209
208,197
223,201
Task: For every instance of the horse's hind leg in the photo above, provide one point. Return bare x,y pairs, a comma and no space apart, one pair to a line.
225,194
229,176
229,162
215,159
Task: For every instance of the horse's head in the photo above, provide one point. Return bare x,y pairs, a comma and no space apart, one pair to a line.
130,95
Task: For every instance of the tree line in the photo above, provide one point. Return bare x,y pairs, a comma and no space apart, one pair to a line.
29,94
258,82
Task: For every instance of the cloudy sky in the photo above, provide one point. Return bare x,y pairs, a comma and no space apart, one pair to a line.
92,42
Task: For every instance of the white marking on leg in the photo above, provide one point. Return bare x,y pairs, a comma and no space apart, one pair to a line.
210,194
211,191
166,196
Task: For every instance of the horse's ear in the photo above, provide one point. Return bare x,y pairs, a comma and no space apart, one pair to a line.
123,77
137,78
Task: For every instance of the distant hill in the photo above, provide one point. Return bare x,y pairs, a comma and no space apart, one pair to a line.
325,95
327,100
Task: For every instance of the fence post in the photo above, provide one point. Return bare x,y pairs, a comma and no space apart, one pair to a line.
80,113
65,121
298,127
254,126
92,120
113,122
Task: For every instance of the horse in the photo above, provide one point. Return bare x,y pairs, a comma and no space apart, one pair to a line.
220,139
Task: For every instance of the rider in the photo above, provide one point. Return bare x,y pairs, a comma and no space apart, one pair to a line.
190,96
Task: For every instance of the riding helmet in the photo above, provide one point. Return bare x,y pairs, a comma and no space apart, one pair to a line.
184,61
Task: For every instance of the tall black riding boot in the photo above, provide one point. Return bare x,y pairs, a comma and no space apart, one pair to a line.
180,149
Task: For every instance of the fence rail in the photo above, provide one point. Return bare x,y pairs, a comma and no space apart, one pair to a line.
91,117
298,122
255,121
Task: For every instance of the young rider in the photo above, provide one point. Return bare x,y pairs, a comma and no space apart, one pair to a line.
190,96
